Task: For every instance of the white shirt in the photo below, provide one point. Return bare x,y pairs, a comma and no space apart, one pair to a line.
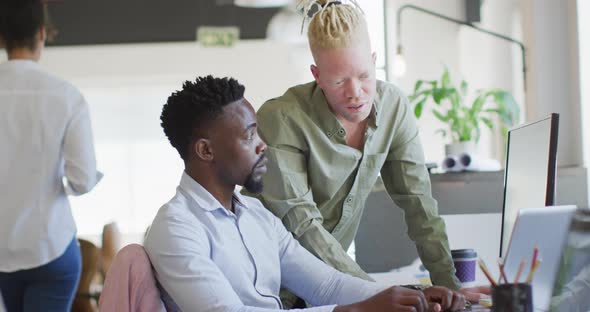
210,259
45,135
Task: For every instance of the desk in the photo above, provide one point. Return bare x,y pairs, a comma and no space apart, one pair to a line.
466,199
411,275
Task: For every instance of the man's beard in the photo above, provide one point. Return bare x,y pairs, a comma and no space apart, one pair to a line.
253,185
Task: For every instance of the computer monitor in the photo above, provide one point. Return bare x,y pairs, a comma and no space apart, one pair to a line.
529,179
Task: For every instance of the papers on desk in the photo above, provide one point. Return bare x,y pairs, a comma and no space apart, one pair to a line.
412,274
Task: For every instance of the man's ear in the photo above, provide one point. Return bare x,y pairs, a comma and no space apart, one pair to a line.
203,149
315,71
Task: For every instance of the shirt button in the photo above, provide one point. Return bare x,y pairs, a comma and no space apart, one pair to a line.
341,132
329,134
349,199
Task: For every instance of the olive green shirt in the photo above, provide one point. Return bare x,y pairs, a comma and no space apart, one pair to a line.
318,185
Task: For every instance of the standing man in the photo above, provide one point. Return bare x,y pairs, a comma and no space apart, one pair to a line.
46,136
329,139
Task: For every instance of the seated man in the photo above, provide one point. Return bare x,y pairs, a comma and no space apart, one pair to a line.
215,250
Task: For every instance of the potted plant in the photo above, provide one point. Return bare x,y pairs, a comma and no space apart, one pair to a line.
464,120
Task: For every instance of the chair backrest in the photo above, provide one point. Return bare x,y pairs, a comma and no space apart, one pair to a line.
85,301
111,243
130,284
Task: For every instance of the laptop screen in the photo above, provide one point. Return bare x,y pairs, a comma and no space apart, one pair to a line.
529,179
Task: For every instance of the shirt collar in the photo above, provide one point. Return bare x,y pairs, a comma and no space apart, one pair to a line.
204,199
22,62
326,118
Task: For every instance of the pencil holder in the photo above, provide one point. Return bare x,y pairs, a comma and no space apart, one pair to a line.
512,298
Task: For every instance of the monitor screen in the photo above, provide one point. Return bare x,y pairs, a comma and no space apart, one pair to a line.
529,179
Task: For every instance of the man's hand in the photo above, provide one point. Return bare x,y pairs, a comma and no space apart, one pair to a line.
473,294
449,300
394,299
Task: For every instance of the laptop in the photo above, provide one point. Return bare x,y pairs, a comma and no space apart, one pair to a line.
547,228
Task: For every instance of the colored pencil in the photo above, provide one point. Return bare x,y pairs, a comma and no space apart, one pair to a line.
502,273
529,277
485,271
519,272
535,256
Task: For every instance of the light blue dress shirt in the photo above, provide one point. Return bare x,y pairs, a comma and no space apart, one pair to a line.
210,259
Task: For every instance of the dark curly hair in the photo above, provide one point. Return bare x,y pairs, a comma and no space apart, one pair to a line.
199,101
20,20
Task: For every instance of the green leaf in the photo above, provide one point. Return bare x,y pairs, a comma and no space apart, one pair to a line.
478,103
455,99
443,132
494,110
512,107
463,87
487,122
440,116
445,79
413,97
417,85
477,133
504,132
505,102
437,95
418,107
502,113
466,130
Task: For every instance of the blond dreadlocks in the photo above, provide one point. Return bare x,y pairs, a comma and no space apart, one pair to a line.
334,24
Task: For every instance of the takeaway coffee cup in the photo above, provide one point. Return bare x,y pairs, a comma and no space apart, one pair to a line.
465,261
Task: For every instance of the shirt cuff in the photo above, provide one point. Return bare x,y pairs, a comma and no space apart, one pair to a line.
445,279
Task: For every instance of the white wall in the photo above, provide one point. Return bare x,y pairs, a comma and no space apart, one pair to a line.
584,59
584,43
483,61
264,67
551,36
490,62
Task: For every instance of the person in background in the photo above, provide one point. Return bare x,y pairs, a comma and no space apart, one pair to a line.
328,140
46,136
213,249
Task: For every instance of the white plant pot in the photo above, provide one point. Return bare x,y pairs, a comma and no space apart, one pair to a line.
458,148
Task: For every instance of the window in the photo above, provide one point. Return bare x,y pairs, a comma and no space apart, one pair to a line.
374,13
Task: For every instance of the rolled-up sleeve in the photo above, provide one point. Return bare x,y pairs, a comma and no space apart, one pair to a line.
407,181
78,151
